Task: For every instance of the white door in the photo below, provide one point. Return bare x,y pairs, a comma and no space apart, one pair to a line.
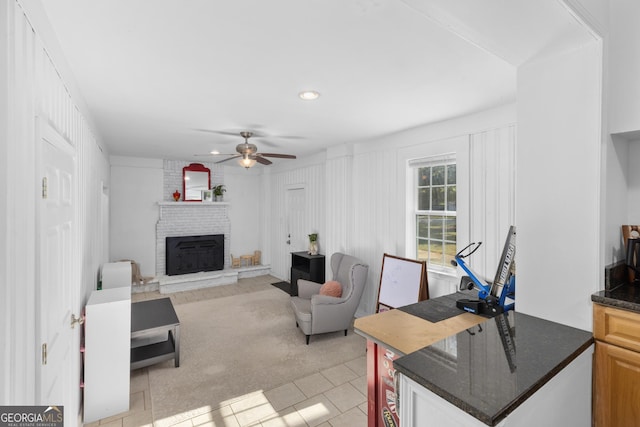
58,286
296,224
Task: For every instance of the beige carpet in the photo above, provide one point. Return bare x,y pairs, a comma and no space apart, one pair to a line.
237,345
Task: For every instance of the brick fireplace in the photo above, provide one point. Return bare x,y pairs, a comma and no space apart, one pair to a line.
190,219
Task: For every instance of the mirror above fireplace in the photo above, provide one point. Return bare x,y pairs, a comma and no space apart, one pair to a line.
195,179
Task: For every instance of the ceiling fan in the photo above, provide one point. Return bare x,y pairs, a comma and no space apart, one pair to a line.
248,153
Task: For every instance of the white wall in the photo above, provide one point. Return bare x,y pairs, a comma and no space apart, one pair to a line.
616,197
380,192
339,183
310,174
624,66
38,85
633,181
558,186
595,13
5,293
360,192
492,195
244,193
136,189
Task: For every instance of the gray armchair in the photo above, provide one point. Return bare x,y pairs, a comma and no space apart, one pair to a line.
317,314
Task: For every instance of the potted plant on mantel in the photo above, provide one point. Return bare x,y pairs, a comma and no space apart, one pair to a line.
218,192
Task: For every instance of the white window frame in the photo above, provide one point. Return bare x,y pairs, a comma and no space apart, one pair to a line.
434,145
414,165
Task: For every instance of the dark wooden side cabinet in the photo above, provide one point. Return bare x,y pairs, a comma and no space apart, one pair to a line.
305,266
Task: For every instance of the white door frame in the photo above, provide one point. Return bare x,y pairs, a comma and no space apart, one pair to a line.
292,245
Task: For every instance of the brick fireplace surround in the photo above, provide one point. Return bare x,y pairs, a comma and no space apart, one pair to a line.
190,219
196,218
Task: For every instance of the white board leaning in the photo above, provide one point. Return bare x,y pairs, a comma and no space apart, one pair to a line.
403,281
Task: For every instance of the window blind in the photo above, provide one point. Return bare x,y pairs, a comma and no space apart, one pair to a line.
440,159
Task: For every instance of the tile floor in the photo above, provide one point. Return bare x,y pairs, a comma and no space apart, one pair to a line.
335,397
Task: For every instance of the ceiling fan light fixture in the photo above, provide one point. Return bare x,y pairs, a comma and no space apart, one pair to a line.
309,95
248,154
246,162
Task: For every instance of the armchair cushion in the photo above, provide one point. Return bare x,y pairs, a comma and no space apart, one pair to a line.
331,288
306,288
302,309
324,299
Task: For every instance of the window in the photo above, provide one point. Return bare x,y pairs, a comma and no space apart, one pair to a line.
435,210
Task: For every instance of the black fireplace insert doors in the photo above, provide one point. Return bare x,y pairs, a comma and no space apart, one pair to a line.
192,254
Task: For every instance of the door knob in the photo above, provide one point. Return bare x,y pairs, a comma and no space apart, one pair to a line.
289,242
74,320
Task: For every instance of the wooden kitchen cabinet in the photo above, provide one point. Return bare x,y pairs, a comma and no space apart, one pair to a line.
617,367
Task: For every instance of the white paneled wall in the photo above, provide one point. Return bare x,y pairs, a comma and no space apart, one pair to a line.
339,204
312,178
492,196
377,211
365,201
37,90
559,186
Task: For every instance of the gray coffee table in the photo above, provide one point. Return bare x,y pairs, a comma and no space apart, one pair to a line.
150,319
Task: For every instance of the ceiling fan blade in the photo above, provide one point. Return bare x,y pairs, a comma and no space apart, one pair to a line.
258,133
281,156
215,155
254,130
278,136
267,142
261,159
229,158
218,132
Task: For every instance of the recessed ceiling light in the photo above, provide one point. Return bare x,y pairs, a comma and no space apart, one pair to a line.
309,95
214,152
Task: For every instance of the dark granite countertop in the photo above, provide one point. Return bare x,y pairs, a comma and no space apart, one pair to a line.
625,296
618,291
492,368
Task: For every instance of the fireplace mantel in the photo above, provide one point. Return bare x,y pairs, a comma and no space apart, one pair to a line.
194,204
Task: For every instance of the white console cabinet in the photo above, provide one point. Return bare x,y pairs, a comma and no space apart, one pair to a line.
107,353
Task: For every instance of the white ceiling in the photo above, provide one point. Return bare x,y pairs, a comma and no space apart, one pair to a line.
170,79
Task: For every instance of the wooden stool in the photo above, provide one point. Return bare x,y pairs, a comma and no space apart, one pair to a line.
247,258
235,262
256,257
